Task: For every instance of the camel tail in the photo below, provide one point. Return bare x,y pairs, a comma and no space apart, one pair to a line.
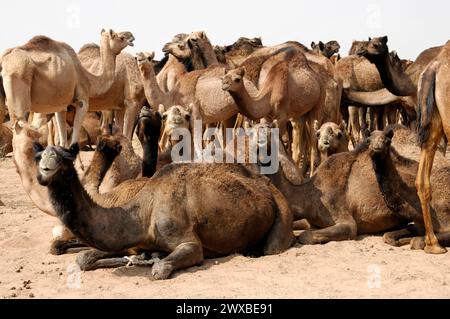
426,103
2,102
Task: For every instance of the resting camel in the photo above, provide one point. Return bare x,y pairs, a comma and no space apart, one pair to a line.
125,95
368,190
46,76
187,230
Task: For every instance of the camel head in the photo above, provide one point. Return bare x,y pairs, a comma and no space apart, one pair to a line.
176,117
326,49
23,141
376,47
380,142
233,79
358,48
331,137
148,125
145,61
178,47
195,38
55,163
117,41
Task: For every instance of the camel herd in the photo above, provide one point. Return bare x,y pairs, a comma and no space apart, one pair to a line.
330,121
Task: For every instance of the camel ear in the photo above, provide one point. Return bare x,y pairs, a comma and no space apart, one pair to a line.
37,147
313,45
103,30
366,134
321,45
316,126
342,126
74,150
202,35
241,71
389,133
370,39
151,56
161,109
16,127
190,107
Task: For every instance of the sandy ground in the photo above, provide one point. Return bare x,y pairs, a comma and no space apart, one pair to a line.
365,268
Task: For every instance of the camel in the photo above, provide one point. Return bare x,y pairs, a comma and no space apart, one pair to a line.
125,95
368,191
331,139
326,49
233,55
46,76
187,230
433,124
291,90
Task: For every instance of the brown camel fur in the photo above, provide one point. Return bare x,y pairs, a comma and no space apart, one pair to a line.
326,49
160,217
46,76
233,55
6,136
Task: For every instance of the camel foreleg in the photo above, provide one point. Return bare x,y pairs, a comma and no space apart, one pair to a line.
341,231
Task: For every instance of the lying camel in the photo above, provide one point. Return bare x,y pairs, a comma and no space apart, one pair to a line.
366,191
160,217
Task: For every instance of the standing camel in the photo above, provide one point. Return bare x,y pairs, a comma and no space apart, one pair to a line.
433,97
45,76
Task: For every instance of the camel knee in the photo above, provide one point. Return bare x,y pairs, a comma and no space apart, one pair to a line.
62,233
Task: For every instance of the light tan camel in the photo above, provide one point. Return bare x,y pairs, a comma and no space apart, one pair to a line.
46,76
125,95
331,139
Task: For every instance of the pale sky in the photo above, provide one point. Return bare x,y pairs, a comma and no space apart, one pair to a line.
412,25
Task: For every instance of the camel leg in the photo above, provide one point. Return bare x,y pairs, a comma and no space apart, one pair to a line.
372,122
120,115
60,118
301,224
280,236
187,254
401,237
82,108
353,113
341,231
129,119
443,239
423,184
94,259
297,135
63,239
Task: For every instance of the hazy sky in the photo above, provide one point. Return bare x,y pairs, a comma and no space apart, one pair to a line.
412,25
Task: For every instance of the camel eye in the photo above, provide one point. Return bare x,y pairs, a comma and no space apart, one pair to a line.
339,134
237,80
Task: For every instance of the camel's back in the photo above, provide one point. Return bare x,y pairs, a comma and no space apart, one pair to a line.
359,74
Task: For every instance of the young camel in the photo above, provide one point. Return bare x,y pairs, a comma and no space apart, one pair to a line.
331,139
161,218
46,76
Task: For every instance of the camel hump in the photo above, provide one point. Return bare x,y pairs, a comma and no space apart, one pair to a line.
90,47
40,43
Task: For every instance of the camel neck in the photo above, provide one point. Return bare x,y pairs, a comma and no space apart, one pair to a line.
27,170
150,157
107,229
393,78
95,173
253,108
101,83
155,96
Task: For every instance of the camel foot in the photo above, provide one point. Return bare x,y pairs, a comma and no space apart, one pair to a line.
417,243
435,249
60,247
161,270
306,238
